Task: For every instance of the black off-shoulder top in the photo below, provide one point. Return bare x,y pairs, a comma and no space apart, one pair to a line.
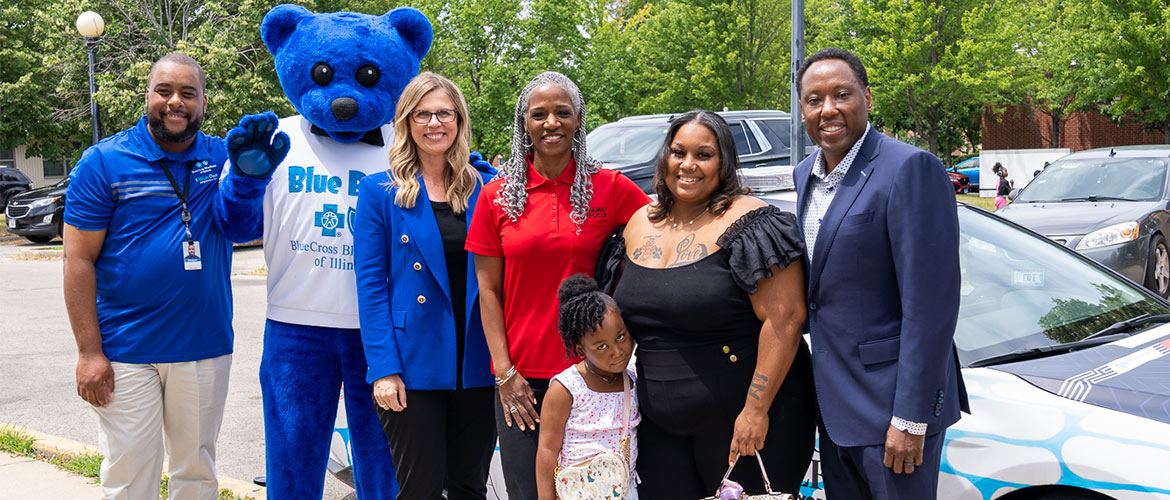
707,301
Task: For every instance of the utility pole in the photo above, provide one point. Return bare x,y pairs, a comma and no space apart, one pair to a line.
796,131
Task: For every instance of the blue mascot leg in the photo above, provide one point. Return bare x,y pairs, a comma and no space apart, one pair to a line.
300,378
373,468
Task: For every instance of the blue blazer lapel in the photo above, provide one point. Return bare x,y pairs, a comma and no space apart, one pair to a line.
472,281
421,221
859,173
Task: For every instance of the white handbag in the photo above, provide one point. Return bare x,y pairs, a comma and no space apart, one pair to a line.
605,475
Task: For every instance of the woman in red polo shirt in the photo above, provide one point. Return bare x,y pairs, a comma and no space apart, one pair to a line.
543,220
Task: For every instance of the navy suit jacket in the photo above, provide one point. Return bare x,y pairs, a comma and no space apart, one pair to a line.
883,294
404,296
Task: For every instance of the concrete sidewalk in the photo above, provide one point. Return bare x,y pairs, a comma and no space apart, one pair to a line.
23,478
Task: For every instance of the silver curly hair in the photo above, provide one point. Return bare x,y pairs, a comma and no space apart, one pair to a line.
512,196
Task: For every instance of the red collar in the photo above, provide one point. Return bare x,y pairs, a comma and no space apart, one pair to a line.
535,179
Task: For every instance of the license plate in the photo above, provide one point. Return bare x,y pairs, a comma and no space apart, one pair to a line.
11,224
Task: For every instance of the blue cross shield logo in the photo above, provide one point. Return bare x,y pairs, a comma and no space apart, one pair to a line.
349,217
328,220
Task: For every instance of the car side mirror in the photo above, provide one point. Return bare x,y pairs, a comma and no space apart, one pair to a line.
1014,194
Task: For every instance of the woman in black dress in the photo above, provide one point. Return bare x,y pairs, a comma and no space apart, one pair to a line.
711,287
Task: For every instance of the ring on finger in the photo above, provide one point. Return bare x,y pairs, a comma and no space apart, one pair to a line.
514,409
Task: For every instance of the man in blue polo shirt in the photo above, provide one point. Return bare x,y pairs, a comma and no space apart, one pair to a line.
147,287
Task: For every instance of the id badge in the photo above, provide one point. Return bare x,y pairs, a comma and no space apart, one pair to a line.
191,256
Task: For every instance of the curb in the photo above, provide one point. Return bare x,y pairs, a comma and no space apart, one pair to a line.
51,446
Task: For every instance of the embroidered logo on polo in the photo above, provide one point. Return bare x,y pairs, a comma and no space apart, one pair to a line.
204,172
329,220
598,213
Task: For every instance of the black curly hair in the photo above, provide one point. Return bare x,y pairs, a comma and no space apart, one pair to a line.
583,308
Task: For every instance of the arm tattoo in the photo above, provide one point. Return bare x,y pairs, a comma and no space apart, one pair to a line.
758,381
650,250
688,251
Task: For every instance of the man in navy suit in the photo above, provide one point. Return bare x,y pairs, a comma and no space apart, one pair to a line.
882,237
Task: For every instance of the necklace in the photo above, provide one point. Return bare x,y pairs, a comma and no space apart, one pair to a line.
674,225
610,381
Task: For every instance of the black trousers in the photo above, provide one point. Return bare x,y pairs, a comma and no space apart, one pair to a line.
689,403
518,448
443,440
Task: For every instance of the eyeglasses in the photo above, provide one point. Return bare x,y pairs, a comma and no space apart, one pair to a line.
423,117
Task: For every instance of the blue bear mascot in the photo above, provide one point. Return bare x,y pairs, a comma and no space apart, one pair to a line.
343,72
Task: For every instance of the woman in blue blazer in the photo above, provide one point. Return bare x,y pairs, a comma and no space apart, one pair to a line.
418,298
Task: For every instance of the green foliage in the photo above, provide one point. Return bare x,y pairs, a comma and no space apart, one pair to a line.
86,465
15,441
1128,68
932,65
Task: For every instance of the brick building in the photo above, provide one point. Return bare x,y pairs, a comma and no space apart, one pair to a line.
1015,129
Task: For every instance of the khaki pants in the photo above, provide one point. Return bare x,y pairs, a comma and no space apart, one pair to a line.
178,406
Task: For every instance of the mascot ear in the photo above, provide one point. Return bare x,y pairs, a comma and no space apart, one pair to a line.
279,23
414,28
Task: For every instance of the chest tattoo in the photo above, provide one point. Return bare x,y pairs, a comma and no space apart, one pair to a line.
688,251
650,249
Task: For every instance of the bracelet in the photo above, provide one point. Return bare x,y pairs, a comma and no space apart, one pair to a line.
500,381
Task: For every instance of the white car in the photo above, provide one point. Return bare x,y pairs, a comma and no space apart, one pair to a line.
1067,367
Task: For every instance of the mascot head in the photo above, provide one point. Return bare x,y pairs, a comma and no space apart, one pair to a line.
344,71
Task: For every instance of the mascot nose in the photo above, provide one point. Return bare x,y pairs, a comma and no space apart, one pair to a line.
344,108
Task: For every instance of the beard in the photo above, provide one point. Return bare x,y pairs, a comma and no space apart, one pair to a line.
161,133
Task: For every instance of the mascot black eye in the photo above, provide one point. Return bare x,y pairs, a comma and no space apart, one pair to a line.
368,75
322,74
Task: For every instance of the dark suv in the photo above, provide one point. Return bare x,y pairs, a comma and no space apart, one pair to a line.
37,214
12,182
630,145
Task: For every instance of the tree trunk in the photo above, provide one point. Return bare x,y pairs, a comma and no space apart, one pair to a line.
1056,120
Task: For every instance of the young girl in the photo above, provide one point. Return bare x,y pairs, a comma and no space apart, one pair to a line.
1003,188
584,407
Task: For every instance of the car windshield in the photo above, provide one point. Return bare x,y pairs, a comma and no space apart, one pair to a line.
1021,291
624,144
1091,179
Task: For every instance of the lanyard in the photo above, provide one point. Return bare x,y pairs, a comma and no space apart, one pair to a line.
185,214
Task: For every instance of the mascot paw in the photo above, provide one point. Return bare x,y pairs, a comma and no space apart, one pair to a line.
253,149
480,164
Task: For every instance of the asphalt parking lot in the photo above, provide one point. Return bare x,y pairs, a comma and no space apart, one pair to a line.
38,356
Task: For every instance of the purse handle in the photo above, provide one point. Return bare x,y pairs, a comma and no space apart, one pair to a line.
625,405
763,472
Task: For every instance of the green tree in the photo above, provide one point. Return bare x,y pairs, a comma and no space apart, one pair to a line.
713,54
932,65
1049,48
1128,69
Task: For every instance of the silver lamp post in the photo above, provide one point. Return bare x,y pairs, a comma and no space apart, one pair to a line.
91,26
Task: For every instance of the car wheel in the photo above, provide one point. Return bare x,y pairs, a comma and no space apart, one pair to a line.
39,239
1158,269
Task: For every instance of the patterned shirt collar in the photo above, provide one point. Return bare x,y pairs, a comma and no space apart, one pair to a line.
834,178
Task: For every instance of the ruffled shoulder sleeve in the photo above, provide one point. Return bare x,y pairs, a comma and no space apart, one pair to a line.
758,240
609,261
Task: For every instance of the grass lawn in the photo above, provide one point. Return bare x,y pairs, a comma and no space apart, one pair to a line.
974,199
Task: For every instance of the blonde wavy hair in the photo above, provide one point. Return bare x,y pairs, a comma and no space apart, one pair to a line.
461,178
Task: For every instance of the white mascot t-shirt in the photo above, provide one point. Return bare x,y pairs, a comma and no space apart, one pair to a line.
308,218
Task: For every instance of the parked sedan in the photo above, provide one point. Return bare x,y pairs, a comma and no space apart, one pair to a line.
630,145
37,214
960,182
969,168
1110,204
